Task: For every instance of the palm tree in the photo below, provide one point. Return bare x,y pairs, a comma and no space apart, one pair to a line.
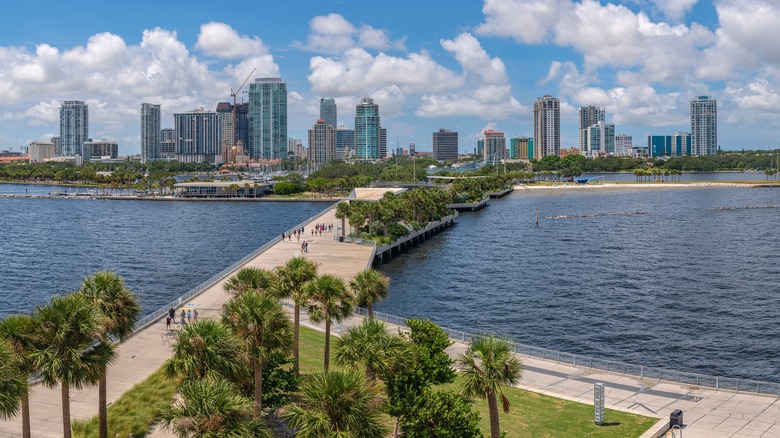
488,365
13,383
291,278
19,332
212,408
369,287
249,278
371,346
260,321
337,403
68,356
329,300
106,291
342,212
204,349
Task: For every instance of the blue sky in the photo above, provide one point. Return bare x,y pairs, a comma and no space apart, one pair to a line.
465,65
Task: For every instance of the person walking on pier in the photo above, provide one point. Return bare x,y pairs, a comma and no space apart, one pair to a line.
195,315
172,313
167,323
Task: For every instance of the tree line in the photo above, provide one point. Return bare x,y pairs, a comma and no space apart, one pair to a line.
237,376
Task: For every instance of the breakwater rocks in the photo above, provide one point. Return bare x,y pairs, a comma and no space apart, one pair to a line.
746,207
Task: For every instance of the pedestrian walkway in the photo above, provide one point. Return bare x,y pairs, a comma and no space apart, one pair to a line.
148,349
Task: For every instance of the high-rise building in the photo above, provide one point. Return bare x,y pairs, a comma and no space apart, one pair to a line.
57,141
295,148
547,126
328,111
242,124
99,149
704,126
445,145
345,142
480,150
382,142
601,139
150,132
38,151
74,127
623,145
588,116
521,148
268,118
322,143
228,133
168,143
367,130
682,143
198,135
495,146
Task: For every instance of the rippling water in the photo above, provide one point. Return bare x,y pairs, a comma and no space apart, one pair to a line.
162,249
680,287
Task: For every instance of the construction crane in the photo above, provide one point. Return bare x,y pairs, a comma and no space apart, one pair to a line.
234,94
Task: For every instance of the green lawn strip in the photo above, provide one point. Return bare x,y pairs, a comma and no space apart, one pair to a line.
538,415
531,414
133,413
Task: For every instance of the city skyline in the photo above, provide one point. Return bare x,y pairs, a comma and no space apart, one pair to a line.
641,60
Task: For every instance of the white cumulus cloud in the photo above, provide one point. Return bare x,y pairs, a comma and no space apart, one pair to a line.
222,41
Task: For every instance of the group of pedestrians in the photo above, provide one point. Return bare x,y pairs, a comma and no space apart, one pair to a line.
185,317
294,233
321,228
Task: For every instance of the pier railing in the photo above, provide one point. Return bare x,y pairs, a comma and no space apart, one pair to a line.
645,373
156,315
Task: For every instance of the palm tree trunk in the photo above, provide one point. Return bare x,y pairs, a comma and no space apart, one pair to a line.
66,411
296,331
370,310
258,387
495,430
327,345
343,225
26,415
395,429
102,412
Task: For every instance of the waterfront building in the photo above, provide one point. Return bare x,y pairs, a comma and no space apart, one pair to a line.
382,142
268,118
495,146
74,127
38,151
445,145
589,116
150,132
547,126
95,150
367,130
682,143
521,148
198,135
623,145
480,149
328,111
675,145
570,151
322,143
345,142
167,143
601,139
57,141
704,126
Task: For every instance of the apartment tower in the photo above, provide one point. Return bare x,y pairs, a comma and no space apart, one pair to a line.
547,126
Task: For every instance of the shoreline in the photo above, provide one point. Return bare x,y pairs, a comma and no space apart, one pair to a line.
644,185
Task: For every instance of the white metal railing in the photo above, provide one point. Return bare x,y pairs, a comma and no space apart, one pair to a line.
643,372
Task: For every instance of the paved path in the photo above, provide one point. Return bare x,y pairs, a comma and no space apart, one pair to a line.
146,351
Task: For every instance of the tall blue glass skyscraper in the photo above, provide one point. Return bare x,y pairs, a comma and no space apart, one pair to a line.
268,119
367,130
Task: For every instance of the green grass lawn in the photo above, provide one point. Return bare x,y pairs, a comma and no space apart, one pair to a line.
133,413
531,414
